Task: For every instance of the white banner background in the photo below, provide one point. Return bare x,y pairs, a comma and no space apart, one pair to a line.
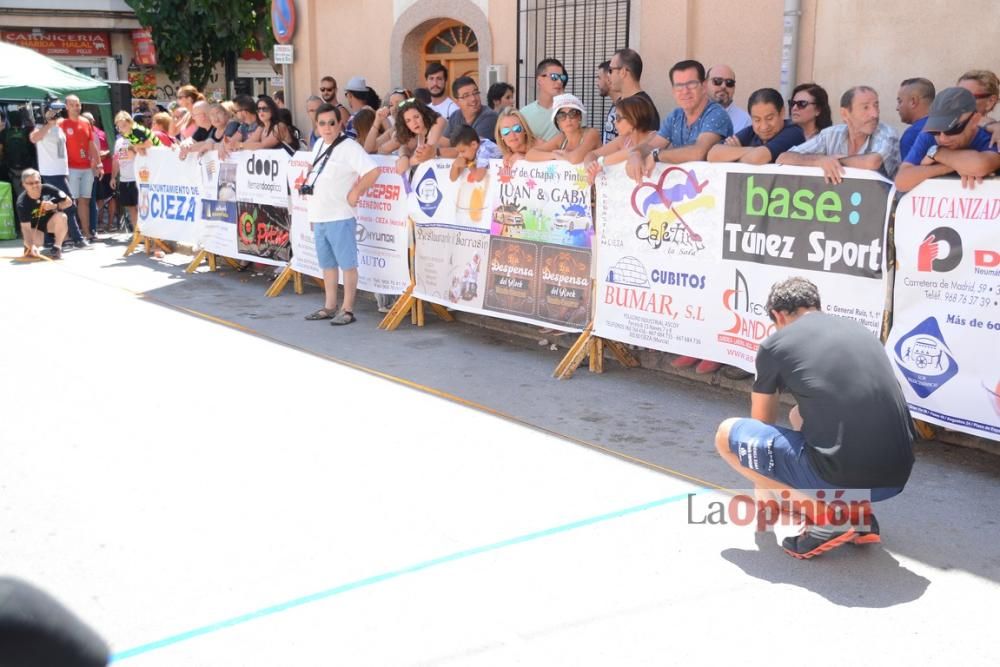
169,196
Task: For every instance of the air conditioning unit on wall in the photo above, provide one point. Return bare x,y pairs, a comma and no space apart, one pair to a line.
496,74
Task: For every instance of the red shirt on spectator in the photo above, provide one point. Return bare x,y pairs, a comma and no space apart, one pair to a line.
79,137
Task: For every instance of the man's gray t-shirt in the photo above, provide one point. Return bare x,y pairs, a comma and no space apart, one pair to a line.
484,124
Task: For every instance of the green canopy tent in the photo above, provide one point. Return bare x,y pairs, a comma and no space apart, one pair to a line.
28,75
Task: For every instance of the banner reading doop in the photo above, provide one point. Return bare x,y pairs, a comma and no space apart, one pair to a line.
687,257
946,312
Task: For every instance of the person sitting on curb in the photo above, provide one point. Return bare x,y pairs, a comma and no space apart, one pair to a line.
850,428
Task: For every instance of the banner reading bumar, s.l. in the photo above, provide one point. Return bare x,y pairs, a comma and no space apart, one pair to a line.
382,233
244,208
946,305
515,244
169,195
686,258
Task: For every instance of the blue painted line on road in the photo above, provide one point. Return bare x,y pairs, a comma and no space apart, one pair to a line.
392,574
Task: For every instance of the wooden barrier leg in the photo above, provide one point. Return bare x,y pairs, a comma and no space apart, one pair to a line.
621,353
136,239
297,282
399,310
575,356
924,430
596,352
196,262
211,263
279,283
442,312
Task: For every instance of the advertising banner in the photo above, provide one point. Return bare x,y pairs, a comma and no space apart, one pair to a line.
244,211
169,195
515,244
946,312
61,43
687,257
382,233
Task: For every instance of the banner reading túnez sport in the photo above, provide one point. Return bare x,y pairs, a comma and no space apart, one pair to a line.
515,244
687,257
244,209
169,196
382,233
946,305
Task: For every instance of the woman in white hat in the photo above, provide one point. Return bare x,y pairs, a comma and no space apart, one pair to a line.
574,140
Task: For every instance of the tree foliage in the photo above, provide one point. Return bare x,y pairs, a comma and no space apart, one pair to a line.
192,36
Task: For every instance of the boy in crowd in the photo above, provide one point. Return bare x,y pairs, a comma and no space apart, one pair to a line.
474,152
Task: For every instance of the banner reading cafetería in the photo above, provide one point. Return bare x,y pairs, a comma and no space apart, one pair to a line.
687,257
515,244
946,308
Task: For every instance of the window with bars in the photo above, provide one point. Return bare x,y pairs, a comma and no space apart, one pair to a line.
581,34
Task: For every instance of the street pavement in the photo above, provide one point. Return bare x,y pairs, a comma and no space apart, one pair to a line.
208,479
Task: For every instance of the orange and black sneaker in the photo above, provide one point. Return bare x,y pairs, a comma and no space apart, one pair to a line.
816,540
868,532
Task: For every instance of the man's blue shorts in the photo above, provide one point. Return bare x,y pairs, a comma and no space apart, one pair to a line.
336,244
779,453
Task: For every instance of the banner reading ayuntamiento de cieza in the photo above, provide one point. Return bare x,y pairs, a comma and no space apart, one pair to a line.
515,244
686,258
946,305
169,195
382,231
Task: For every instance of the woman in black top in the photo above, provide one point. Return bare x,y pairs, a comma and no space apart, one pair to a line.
272,133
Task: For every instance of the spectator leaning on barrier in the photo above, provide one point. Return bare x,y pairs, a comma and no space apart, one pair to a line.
341,173
625,80
850,427
513,136
249,129
687,134
634,125
551,80
952,142
809,108
913,101
721,84
470,112
861,141
41,208
574,141
770,134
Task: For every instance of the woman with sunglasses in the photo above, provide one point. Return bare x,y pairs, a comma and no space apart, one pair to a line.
272,133
635,121
809,108
574,141
770,134
382,126
416,133
513,136
985,87
183,122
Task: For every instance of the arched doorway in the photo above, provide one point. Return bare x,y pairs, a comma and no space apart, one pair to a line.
454,45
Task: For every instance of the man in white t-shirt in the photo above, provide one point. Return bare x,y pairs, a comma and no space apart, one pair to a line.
436,77
53,162
342,172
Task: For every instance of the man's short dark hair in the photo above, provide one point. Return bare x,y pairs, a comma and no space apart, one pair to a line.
434,68
245,103
630,60
791,294
326,107
465,136
540,69
766,96
922,88
688,64
462,82
605,67
422,94
279,96
847,99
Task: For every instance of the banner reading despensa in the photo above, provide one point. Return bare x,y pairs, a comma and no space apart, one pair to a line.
687,257
946,305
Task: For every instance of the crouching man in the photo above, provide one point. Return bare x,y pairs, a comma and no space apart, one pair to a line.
40,210
850,429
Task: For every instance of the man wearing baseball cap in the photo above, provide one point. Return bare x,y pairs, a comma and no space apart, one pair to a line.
952,142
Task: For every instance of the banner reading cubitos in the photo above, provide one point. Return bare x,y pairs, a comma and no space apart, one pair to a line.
383,236
687,257
946,306
244,209
169,196
515,244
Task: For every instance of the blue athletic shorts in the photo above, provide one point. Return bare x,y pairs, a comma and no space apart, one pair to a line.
779,453
336,244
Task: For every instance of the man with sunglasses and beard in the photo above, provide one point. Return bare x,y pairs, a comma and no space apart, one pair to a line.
721,84
551,78
861,141
951,142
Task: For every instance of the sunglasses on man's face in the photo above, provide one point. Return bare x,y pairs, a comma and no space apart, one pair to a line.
326,90
718,81
799,104
504,131
554,76
951,132
326,123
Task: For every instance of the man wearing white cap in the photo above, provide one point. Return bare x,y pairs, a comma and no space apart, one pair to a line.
356,95
951,142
